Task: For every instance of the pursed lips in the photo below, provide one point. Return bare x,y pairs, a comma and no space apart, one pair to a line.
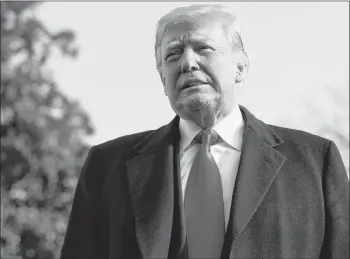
191,83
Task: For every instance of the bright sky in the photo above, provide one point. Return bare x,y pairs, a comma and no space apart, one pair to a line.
296,51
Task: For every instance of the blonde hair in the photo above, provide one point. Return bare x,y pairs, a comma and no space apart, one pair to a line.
191,13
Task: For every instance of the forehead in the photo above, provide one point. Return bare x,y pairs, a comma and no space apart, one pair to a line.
198,30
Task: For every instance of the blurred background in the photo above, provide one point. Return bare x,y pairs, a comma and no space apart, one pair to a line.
75,75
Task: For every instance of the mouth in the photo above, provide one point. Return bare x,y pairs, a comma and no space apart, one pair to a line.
192,83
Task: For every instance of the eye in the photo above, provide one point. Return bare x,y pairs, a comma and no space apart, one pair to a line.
173,55
204,48
170,55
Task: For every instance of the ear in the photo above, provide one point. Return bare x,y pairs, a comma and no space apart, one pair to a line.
162,78
164,86
240,72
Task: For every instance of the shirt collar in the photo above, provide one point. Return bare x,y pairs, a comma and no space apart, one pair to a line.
230,129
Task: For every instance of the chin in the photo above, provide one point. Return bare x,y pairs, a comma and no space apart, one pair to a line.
203,112
198,101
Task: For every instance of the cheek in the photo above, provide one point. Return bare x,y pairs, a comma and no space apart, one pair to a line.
215,65
226,68
219,72
170,77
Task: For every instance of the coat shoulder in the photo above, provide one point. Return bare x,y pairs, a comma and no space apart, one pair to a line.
125,143
116,150
303,148
300,138
103,157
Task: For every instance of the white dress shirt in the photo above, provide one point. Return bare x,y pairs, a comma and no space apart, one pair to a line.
226,152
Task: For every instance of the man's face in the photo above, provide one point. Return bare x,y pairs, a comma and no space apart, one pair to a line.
199,70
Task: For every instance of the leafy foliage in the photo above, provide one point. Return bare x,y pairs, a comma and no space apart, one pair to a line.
42,132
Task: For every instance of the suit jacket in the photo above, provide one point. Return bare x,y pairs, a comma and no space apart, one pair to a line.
291,198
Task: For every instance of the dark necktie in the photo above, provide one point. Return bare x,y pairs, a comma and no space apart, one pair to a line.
204,207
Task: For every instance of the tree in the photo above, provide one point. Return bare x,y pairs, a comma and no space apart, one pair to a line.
42,132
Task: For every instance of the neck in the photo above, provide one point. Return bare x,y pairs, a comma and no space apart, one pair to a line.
207,119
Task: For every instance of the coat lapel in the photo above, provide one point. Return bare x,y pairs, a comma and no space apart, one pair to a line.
259,165
151,185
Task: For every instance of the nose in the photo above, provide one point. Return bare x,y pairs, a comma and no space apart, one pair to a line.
189,61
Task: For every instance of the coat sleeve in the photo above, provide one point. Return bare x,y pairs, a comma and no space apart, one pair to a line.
81,234
336,199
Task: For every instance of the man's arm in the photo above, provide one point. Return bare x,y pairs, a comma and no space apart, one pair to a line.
81,234
336,195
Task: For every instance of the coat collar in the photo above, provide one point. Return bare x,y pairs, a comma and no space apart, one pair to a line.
169,133
262,130
166,135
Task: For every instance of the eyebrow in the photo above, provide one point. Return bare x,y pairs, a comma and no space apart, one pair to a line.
173,44
176,42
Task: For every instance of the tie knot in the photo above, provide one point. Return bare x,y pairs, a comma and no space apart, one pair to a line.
206,136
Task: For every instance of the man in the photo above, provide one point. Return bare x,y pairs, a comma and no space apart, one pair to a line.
215,182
